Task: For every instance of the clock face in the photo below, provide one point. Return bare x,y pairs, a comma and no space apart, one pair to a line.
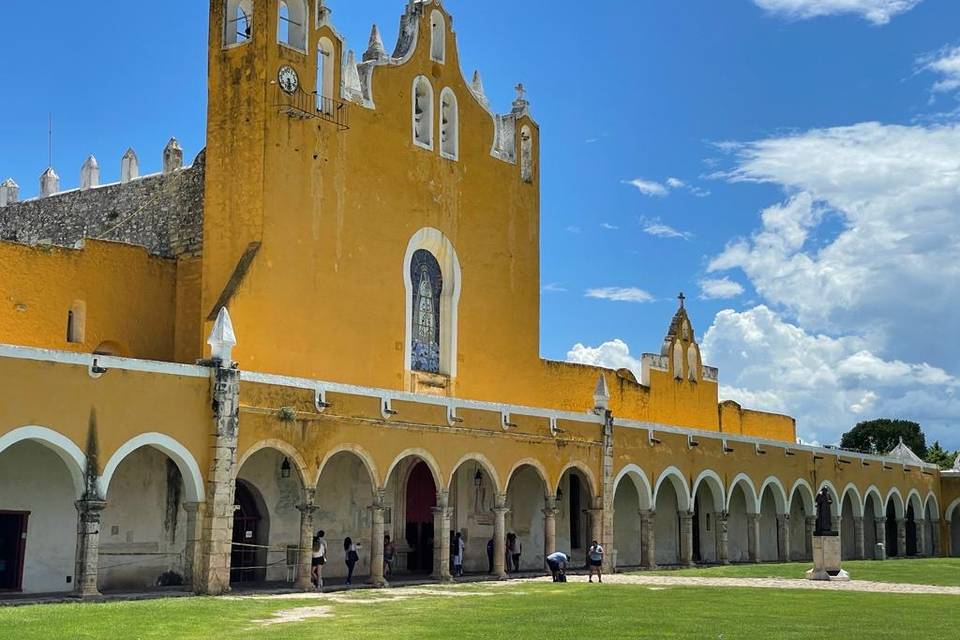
288,79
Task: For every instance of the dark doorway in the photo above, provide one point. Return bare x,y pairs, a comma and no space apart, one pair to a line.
697,556
248,557
893,546
575,512
911,532
13,545
421,500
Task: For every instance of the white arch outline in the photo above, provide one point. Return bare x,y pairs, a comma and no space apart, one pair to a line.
433,240
936,506
640,482
914,499
879,506
780,499
856,501
455,105
836,509
806,494
360,453
678,481
584,469
189,469
438,20
715,482
899,507
428,116
484,462
536,466
742,478
284,448
948,514
425,456
65,448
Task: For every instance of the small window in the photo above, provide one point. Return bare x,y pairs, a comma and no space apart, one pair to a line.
238,22
449,125
423,113
325,76
526,154
292,24
76,322
438,37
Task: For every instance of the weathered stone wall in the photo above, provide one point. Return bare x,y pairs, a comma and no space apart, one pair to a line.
162,212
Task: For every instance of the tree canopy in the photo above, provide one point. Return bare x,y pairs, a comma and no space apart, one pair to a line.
939,456
883,435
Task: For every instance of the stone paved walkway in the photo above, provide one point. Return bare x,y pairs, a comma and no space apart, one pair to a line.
771,583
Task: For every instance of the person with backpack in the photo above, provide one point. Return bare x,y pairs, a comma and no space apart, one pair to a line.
351,552
595,560
319,558
557,562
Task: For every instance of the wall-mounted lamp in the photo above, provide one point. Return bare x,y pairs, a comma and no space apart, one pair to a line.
478,478
285,468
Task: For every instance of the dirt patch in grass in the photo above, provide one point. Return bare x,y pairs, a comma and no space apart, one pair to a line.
300,614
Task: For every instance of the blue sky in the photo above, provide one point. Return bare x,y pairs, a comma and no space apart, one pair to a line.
806,152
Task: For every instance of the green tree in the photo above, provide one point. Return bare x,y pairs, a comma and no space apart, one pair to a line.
939,456
883,435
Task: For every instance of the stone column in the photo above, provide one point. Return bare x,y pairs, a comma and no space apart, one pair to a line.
500,536
722,518
858,539
901,538
648,546
686,538
921,527
811,526
881,533
376,543
753,537
88,547
213,572
596,525
549,526
441,539
935,533
783,537
305,547
192,550
837,523
948,549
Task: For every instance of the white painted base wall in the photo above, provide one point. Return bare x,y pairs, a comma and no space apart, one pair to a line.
344,496
768,529
798,530
737,530
33,478
525,498
626,525
667,526
473,515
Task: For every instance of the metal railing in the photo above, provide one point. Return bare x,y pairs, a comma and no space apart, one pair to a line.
301,104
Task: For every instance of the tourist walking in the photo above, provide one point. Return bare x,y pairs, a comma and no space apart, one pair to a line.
458,547
389,553
490,549
351,552
319,559
516,549
557,562
595,560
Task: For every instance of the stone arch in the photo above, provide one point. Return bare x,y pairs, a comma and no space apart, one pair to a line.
533,464
936,506
237,22
365,458
528,493
837,505
640,482
779,494
438,37
484,462
856,499
679,482
801,508
802,488
189,469
914,500
440,247
72,456
954,506
425,457
449,124
713,480
292,18
743,481
584,469
284,448
898,503
421,113
873,493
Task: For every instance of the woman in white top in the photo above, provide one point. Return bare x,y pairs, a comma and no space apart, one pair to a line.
458,547
319,559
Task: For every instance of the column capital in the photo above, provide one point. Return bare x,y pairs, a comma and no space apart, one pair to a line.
443,498
550,512
811,521
880,521
501,511
753,517
783,517
550,502
90,509
192,507
500,501
307,508
647,513
686,515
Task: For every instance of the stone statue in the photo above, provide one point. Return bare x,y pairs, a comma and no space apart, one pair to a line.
824,516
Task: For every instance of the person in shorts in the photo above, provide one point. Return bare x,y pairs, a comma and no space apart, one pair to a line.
595,560
557,562
319,556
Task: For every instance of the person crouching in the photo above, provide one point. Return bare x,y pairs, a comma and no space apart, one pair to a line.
558,566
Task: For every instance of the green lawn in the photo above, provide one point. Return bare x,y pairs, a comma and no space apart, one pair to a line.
943,572
513,611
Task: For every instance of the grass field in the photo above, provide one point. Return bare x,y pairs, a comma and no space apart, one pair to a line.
944,572
508,611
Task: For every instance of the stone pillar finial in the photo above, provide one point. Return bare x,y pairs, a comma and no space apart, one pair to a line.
222,338
521,105
129,166
172,156
9,192
601,395
478,90
375,51
49,183
89,173
351,78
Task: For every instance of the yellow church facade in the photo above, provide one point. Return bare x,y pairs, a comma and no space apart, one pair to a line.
316,339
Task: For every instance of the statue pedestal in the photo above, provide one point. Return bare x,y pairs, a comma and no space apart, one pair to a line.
826,560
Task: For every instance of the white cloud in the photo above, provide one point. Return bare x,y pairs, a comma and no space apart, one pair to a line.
620,294
573,229
554,287
612,355
654,227
876,11
675,183
719,288
868,241
829,384
648,187
946,64
609,227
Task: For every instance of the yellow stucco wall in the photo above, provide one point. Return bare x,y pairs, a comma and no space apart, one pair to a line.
129,298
